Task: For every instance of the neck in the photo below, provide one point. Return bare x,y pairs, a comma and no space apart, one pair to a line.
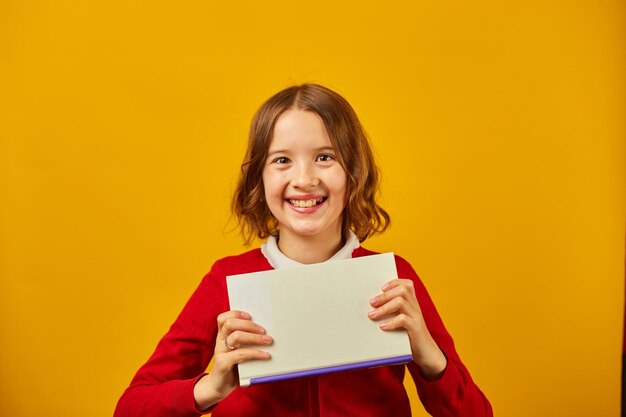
310,249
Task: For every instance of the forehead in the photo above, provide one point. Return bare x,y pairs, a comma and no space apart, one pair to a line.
299,129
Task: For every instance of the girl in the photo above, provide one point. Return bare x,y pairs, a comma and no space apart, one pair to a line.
308,186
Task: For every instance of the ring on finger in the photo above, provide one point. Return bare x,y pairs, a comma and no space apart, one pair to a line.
228,345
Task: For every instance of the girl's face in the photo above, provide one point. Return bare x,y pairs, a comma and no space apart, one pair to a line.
305,186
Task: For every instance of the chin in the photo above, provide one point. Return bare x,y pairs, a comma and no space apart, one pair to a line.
306,231
313,230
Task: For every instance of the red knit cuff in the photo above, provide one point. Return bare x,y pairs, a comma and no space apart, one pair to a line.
444,386
183,400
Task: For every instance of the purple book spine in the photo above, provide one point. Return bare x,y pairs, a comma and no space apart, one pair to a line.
319,371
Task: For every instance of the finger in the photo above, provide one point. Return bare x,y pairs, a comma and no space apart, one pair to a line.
397,282
396,305
225,361
239,338
401,321
232,324
399,288
232,314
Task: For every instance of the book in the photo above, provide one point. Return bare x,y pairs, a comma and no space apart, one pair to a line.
317,316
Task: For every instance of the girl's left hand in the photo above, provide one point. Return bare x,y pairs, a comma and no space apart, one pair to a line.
398,308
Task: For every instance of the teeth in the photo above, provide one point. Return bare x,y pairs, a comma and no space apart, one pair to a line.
306,203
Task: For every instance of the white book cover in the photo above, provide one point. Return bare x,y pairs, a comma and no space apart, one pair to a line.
317,316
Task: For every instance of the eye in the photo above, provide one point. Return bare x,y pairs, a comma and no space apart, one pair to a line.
325,157
280,160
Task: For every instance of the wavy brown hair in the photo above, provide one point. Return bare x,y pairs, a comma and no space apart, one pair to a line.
362,213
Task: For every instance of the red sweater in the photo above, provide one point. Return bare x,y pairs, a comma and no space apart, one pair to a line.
164,385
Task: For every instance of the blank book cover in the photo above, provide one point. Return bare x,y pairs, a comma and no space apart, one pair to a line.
317,316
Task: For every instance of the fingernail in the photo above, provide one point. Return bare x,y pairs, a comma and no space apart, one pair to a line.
386,287
266,339
384,325
374,300
244,315
372,313
261,329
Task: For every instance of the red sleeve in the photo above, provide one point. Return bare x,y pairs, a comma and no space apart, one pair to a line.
454,394
163,386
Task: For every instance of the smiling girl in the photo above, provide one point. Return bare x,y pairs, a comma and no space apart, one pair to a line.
307,188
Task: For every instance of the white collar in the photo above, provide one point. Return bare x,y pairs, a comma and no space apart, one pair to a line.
277,259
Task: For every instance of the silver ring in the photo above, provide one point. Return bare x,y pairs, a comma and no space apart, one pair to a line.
228,346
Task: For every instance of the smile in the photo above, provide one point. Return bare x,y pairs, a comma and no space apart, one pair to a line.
307,203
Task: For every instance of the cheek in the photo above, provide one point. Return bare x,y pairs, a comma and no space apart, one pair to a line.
340,183
271,185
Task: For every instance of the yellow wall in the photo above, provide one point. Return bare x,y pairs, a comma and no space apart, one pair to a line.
499,127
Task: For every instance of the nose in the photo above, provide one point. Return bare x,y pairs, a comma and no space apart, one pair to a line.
305,176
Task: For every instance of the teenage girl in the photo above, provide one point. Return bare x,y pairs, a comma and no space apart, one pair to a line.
307,188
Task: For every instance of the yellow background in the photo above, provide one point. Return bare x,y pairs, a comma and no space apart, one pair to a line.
499,128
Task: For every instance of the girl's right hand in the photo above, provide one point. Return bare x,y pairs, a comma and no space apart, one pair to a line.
238,331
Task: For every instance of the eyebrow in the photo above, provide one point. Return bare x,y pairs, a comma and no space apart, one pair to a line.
278,151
